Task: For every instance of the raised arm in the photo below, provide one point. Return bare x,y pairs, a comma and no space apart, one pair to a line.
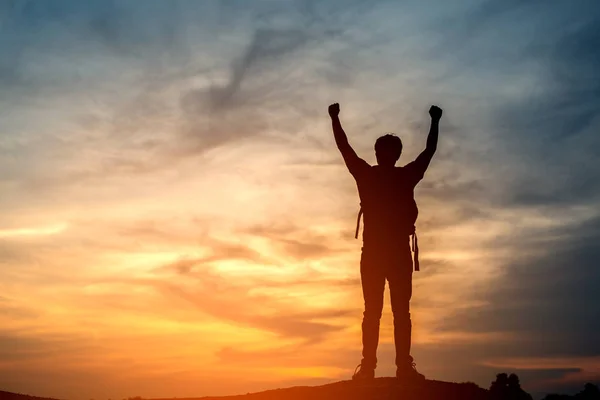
352,160
425,157
419,166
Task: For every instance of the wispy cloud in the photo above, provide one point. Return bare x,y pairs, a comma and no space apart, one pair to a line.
39,231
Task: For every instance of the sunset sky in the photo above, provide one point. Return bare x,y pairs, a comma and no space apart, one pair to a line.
175,219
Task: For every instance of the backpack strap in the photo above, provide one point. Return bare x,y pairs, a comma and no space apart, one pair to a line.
415,249
360,212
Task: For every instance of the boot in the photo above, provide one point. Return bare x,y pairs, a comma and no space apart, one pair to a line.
409,373
362,373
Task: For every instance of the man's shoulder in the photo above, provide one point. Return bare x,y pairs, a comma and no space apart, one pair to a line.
407,166
360,170
363,166
411,172
406,173
410,168
403,170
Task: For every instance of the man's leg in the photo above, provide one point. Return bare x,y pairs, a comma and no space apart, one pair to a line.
373,285
399,275
400,298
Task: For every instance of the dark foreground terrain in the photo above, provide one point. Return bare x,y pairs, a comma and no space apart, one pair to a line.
380,388
384,389
17,396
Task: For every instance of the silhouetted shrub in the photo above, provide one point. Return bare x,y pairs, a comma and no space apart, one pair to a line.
589,392
508,387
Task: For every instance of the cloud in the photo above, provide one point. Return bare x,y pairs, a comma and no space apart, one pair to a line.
229,300
40,231
564,118
560,373
555,286
298,242
544,294
20,348
547,301
218,251
296,355
13,311
266,45
257,86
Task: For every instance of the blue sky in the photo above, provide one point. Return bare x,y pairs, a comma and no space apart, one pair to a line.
169,181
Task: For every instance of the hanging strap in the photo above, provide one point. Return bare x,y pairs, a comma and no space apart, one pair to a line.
360,212
415,249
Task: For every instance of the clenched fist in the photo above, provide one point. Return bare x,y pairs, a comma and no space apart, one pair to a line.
334,110
435,112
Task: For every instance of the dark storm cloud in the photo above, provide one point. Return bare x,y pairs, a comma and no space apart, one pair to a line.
550,301
547,306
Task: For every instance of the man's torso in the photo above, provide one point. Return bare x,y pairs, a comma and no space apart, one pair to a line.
388,205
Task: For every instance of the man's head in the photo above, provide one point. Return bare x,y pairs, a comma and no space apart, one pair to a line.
388,149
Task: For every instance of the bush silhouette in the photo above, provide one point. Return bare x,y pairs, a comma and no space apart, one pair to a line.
589,392
507,387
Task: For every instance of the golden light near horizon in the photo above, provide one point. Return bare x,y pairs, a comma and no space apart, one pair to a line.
33,231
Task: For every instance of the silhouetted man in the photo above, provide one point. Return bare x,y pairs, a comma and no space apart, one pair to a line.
390,213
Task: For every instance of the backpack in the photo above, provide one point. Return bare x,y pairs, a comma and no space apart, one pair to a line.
409,220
